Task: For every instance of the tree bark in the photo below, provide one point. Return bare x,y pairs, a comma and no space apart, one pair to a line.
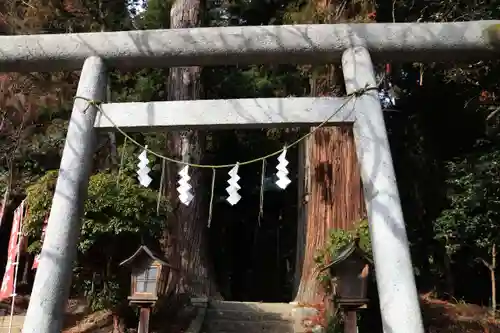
492,268
332,198
185,239
331,195
448,273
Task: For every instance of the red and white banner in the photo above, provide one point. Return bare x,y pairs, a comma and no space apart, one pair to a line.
37,257
3,204
7,288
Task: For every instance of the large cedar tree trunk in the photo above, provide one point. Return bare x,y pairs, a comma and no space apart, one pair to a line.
330,190
185,240
332,198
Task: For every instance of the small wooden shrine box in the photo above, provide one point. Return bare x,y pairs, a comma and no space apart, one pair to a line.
150,276
349,271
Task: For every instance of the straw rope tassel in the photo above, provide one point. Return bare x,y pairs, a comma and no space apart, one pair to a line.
122,160
212,193
160,190
261,199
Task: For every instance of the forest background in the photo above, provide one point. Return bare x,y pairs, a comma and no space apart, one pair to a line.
443,131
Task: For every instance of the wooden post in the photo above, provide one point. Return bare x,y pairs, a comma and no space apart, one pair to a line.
350,323
144,313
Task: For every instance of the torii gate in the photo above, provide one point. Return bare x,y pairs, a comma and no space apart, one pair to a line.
308,44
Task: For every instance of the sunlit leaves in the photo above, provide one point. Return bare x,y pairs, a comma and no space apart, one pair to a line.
112,209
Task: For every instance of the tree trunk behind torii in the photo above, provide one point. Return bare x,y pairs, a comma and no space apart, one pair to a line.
185,239
330,189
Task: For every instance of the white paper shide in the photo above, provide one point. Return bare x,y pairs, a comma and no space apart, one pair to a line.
184,189
143,172
282,173
233,187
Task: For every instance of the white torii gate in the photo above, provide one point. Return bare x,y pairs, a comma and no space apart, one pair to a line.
311,44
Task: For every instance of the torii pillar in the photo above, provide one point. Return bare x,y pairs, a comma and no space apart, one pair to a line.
399,301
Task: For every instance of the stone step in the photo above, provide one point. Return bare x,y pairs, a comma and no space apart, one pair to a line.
252,306
216,314
218,326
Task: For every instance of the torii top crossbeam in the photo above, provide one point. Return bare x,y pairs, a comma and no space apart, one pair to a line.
251,45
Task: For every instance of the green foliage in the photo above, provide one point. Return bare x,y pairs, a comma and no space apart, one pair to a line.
116,209
338,239
157,15
334,324
107,295
143,85
116,213
471,221
112,208
444,11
